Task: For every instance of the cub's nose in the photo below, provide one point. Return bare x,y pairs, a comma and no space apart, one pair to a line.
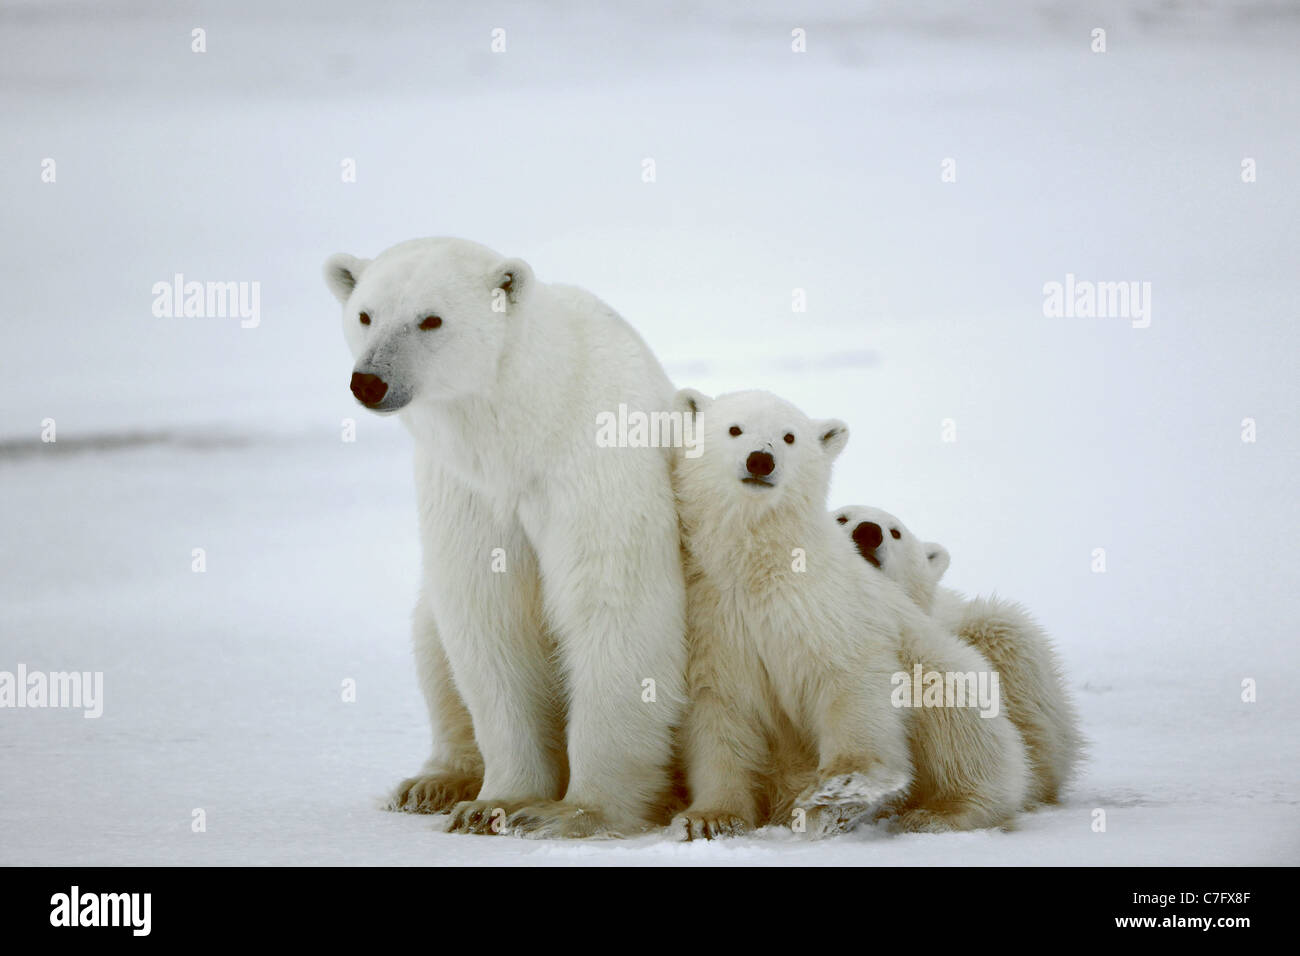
867,536
369,389
760,463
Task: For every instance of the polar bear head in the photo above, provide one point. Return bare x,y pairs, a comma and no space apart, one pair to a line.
427,319
885,543
758,452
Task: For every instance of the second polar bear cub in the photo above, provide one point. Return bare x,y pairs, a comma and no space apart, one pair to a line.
794,646
1033,687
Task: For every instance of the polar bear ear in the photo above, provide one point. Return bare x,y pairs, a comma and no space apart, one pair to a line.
342,272
513,277
937,559
833,435
689,400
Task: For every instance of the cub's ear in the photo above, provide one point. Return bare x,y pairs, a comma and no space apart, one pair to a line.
689,400
937,559
342,272
513,277
833,435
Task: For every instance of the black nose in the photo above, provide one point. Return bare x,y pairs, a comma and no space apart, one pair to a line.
369,389
867,536
760,463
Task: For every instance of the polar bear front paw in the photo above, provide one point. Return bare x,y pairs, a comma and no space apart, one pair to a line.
692,825
866,790
557,820
480,816
433,792
833,819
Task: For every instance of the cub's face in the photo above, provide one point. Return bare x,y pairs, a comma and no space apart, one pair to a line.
757,450
427,319
886,543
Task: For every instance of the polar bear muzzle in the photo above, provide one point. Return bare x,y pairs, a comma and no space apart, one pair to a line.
369,389
759,465
867,536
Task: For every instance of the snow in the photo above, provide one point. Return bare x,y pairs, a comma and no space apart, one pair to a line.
775,171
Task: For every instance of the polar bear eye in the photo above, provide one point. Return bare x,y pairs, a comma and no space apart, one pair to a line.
896,533
430,322
365,318
843,519
734,430
789,438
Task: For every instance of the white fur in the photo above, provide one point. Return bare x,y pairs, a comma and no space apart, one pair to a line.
534,676
789,671
1004,632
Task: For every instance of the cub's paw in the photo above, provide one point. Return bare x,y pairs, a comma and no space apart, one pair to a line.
433,792
480,816
833,819
864,791
693,825
557,820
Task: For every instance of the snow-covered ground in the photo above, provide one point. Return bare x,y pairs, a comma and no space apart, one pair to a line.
775,171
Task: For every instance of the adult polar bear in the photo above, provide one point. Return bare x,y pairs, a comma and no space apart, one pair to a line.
500,378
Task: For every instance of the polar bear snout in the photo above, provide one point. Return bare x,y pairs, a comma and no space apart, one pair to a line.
868,536
369,389
759,470
760,464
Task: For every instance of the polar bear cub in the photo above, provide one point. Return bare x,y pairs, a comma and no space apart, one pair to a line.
1033,686
795,648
